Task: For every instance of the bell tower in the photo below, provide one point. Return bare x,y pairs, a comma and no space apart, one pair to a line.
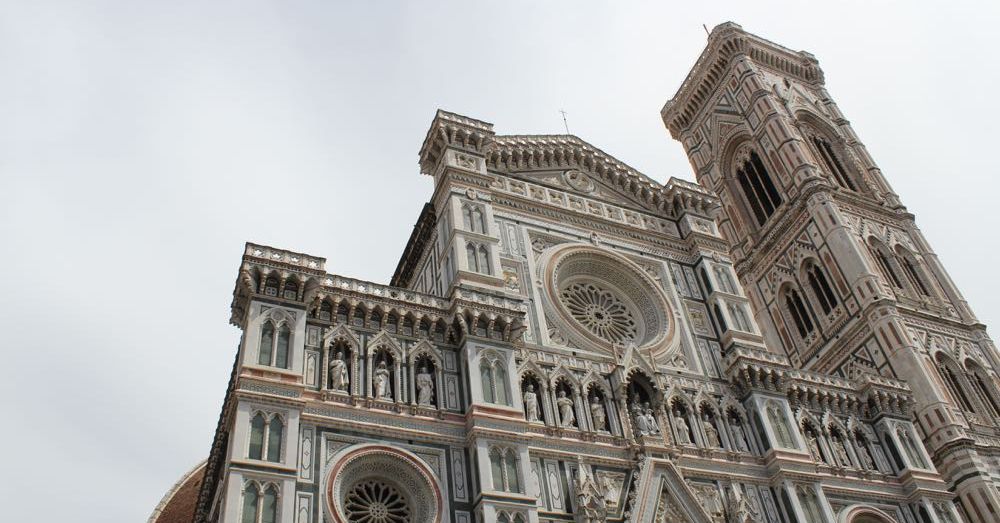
840,278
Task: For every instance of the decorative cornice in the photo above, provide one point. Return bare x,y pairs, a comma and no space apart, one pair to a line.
728,41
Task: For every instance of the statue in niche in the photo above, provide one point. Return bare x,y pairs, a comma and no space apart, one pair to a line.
566,416
683,431
641,423
597,413
425,386
841,451
381,381
865,457
739,436
530,403
814,449
711,434
654,426
338,373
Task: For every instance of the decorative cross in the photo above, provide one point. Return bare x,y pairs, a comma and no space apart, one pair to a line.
566,125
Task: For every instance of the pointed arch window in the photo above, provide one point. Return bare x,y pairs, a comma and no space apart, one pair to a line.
251,500
800,315
758,188
271,286
705,280
493,378
266,435
884,267
486,378
467,217
260,503
983,391
912,276
954,383
484,261
281,347
504,469
720,318
821,288
478,220
291,291
266,344
833,163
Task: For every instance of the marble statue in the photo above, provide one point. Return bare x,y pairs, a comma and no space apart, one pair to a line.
338,373
711,433
641,423
530,403
683,431
566,416
654,426
425,387
381,381
597,414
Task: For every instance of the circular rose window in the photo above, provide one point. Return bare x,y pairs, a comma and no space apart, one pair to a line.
602,300
378,483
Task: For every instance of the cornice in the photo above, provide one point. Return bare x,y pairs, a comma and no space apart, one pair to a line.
727,42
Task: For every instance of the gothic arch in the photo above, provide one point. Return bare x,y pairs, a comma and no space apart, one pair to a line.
863,514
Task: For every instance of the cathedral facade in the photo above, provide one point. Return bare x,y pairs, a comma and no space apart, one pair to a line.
565,339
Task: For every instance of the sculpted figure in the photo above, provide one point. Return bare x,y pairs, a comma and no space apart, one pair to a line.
425,387
865,457
641,423
814,450
597,413
739,437
683,431
381,381
711,434
566,416
530,403
654,427
338,373
841,451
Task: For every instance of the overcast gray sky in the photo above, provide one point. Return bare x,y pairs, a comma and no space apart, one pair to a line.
142,143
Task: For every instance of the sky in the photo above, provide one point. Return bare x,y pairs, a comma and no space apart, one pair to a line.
142,143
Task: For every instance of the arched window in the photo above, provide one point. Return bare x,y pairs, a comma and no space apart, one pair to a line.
257,426
493,376
832,162
281,350
484,261
705,280
500,383
725,281
739,318
486,377
953,382
291,291
271,286
504,470
478,220
274,431
496,469
269,509
266,433
325,311
251,500
503,518
983,390
800,315
884,267
467,217
911,274
266,344
510,470
471,258
821,288
758,188
720,318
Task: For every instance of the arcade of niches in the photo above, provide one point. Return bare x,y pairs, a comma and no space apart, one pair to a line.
565,339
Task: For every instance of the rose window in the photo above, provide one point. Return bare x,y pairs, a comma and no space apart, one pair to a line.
600,311
373,501
599,300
